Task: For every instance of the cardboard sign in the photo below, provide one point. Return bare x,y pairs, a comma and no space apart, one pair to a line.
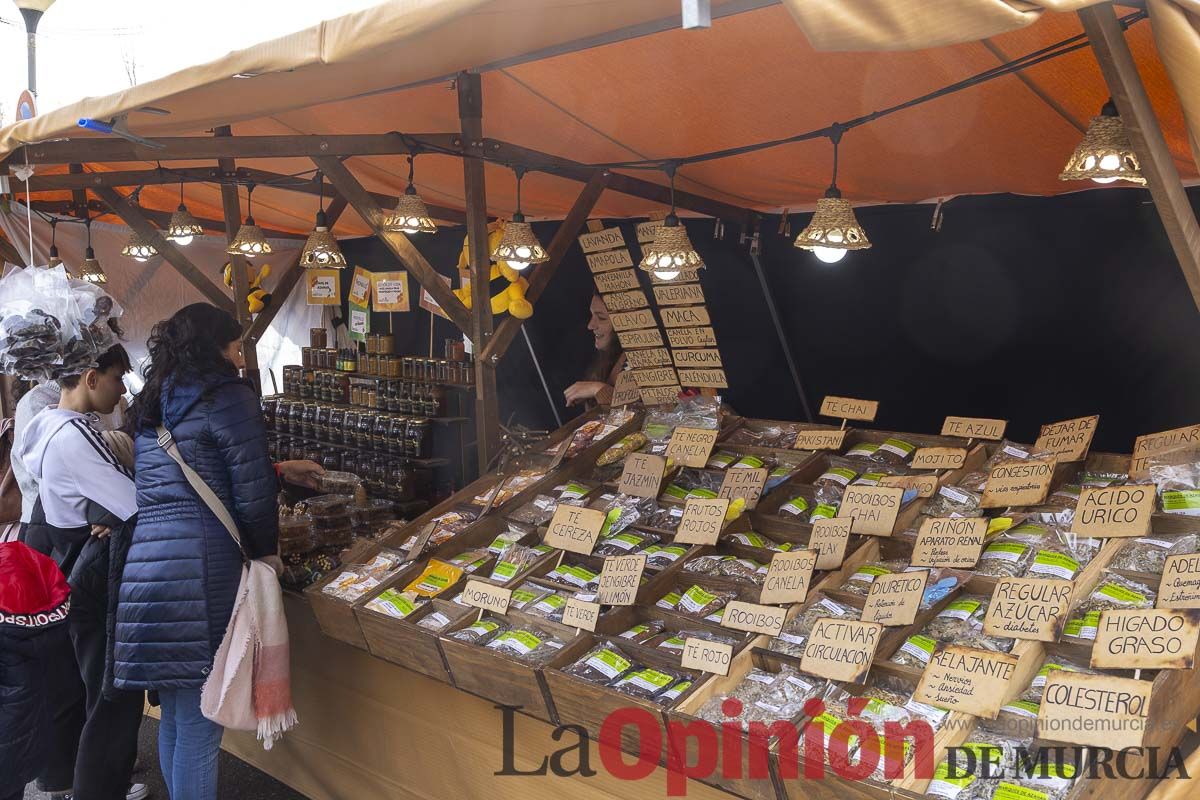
752,617
642,476
360,287
974,428
617,281
390,291
1094,710
606,239
828,539
646,230
692,337
487,596
323,287
710,378
698,359
926,485
574,529
581,614
685,317
632,320
1152,444
745,483
832,439
360,322
644,359
1146,639
650,337
1114,511
789,577
841,650
873,508
702,521
1180,587
609,259
939,457
1068,440
1019,483
661,376
706,656
1028,608
949,542
691,447
678,294
429,304
684,276
620,578
895,599
661,395
626,301
966,679
626,390
849,408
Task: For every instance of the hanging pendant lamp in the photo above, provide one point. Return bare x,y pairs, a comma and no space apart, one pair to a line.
671,252
89,269
249,241
138,247
183,226
322,250
519,246
1105,154
410,215
54,261
833,230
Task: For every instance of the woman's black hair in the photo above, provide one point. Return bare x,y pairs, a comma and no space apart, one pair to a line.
187,347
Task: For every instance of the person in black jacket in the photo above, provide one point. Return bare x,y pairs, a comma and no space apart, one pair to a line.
183,567
34,602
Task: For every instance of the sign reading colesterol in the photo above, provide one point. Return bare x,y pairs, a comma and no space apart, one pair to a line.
788,577
840,650
849,408
702,521
575,529
1028,608
754,618
642,475
949,542
691,446
1114,511
873,508
1094,710
966,679
1146,638
1068,440
1019,483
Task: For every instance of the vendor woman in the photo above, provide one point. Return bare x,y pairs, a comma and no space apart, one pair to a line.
607,363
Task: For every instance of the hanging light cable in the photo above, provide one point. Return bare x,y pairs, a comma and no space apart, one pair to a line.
1105,154
410,214
833,229
671,251
321,250
89,269
183,226
138,247
249,241
54,261
519,246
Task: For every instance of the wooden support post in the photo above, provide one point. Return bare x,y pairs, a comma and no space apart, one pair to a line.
138,222
1162,178
412,260
10,254
231,205
487,413
564,237
78,196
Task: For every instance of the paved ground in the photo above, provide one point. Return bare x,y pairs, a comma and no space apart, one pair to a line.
238,780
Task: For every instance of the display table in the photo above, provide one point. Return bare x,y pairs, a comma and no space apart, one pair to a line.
370,729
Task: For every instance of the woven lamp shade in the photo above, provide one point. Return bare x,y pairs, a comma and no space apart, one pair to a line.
322,251
89,268
183,227
249,241
520,244
1104,155
138,248
409,216
834,226
671,250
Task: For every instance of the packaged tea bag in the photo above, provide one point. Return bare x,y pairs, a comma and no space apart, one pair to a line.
1114,591
603,664
1150,553
1176,474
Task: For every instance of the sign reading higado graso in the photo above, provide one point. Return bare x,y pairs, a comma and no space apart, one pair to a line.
702,521
1094,710
691,337
1068,440
820,439
974,428
1146,638
1152,444
966,679
1028,608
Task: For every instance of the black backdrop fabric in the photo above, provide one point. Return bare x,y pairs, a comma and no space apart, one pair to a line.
1027,309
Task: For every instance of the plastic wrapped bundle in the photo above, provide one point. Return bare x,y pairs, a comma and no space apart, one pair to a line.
795,632
1150,553
1113,592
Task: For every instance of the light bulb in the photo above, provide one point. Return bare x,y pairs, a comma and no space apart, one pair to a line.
666,275
830,255
182,241
518,265
410,229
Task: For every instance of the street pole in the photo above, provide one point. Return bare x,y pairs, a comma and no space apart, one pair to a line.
31,12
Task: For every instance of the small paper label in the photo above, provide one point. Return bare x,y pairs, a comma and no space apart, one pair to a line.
390,292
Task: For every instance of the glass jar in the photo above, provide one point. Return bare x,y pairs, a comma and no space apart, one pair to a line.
377,476
350,462
306,357
443,370
331,358
268,405
397,430
340,388
273,447
337,421
312,452
296,419
355,394
366,426
406,367
437,401
318,337
308,421
293,375
400,481
379,434
381,389
369,397
393,397
350,428
296,451
322,423
306,385
419,438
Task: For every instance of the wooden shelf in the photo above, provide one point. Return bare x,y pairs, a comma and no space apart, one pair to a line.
416,462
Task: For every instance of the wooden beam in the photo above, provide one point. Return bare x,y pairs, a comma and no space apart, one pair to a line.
408,255
288,280
1162,178
134,218
231,205
10,254
78,196
470,116
162,218
187,148
564,237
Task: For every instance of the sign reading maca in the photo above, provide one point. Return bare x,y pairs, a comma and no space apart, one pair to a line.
685,316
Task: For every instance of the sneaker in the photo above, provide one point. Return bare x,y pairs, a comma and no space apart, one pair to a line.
137,791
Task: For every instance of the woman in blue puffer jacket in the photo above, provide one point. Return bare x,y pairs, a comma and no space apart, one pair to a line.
183,567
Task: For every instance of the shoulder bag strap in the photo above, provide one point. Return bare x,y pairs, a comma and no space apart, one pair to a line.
167,443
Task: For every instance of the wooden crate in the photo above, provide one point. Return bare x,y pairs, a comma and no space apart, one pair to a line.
336,617
403,642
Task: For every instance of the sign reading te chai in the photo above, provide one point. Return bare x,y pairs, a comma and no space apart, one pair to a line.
849,408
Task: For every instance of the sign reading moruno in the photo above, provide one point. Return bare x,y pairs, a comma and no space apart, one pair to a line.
974,428
1068,440
849,408
1019,483
487,596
